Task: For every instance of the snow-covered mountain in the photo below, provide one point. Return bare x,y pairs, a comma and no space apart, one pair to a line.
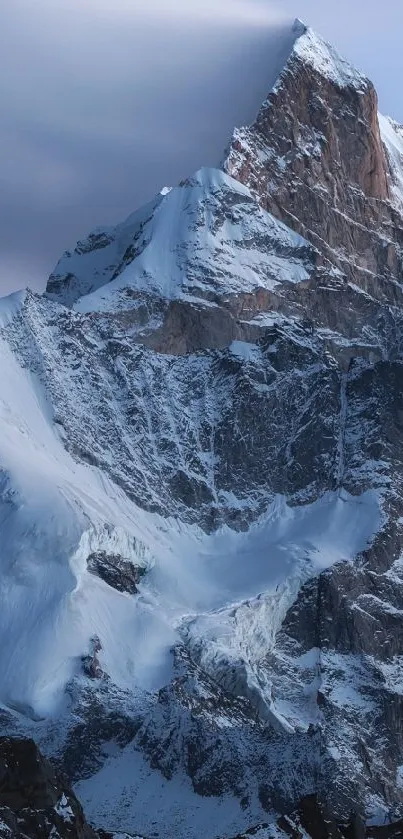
201,460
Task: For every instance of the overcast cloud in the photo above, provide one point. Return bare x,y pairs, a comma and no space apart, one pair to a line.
106,101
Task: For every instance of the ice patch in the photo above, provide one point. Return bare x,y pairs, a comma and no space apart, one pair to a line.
245,351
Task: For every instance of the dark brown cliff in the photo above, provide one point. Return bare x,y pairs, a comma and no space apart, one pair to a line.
314,158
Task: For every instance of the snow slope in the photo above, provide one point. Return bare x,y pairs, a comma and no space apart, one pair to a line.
205,236
144,800
55,511
324,58
392,138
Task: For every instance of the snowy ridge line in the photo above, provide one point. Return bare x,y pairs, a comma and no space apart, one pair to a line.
324,58
206,236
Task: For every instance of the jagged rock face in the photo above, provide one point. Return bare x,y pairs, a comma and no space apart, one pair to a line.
117,572
245,428
313,821
315,159
35,802
215,397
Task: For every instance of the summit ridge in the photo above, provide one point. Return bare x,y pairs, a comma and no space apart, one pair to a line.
312,49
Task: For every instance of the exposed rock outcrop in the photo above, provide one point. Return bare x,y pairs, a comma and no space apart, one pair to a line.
91,665
314,158
36,802
116,571
312,821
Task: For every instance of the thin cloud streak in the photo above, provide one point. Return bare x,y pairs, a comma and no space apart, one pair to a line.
104,103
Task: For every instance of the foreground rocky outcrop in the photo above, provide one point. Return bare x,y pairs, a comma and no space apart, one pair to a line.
35,801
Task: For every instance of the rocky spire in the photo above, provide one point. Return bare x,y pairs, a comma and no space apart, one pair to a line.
314,158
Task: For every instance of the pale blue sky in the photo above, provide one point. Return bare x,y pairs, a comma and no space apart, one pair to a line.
106,101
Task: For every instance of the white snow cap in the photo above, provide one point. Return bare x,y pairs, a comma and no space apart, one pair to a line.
324,58
182,236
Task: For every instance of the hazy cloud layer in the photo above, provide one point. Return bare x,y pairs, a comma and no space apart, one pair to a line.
105,102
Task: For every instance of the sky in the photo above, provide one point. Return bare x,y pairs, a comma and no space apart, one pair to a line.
106,101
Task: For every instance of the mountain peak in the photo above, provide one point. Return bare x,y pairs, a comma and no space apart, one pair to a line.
312,50
154,254
299,27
